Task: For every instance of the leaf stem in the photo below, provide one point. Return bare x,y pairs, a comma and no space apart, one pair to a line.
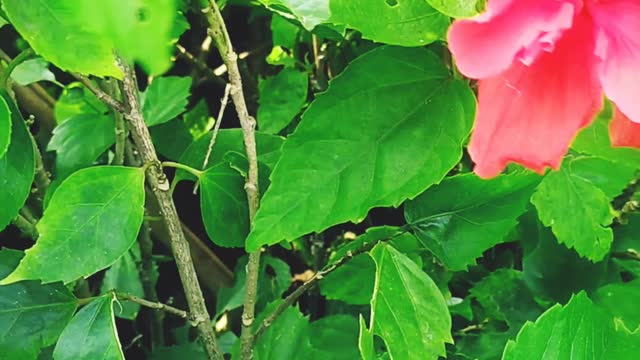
220,35
156,305
187,168
22,57
101,95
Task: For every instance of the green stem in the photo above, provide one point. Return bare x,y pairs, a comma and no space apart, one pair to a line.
22,57
187,168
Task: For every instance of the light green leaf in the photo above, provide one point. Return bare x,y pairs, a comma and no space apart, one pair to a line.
407,310
283,32
308,13
91,334
77,100
395,22
610,176
407,134
198,120
268,148
459,8
63,35
365,342
594,140
17,166
578,330
286,339
281,98
165,99
621,301
33,314
224,206
464,216
32,70
585,227
280,56
77,236
5,127
124,276
80,140
334,337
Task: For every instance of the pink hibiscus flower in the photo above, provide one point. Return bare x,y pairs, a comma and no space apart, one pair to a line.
543,66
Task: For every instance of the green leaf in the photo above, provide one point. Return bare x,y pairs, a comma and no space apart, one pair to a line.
5,127
286,339
224,206
77,100
268,148
31,71
91,334
141,30
585,226
611,177
309,13
80,140
464,216
334,337
365,342
77,236
594,140
281,99
459,8
352,282
505,296
190,351
33,314
621,301
171,139
552,271
165,99
63,35
17,166
407,310
123,276
283,32
395,22
198,120
271,284
407,134
578,330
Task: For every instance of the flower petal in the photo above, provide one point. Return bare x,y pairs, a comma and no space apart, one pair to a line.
489,43
530,114
618,23
624,132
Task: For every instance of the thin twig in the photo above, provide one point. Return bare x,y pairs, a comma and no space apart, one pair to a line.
220,35
291,299
101,95
26,227
41,178
198,63
146,277
216,127
157,305
158,182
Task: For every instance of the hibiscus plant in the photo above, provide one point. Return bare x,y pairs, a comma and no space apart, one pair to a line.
319,179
